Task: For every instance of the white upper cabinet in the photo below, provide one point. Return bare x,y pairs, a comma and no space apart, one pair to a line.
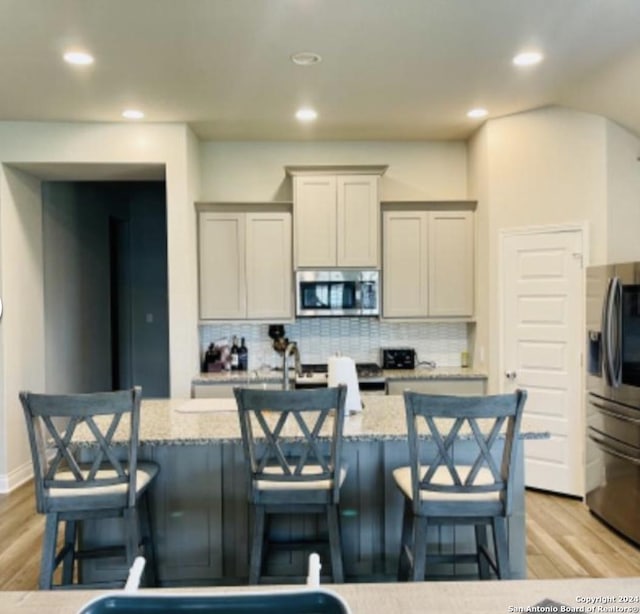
451,263
358,228
428,263
336,217
315,213
269,270
223,291
245,264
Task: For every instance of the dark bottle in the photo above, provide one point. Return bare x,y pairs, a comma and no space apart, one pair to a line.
209,358
235,355
243,356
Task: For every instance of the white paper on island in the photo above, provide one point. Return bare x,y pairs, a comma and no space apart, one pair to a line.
342,370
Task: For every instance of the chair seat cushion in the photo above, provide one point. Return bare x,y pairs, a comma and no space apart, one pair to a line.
402,477
92,498
299,484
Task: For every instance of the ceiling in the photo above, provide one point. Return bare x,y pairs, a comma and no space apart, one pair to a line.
390,69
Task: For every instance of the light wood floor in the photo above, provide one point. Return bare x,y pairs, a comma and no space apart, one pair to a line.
563,541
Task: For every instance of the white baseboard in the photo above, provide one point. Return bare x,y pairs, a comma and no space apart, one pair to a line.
13,479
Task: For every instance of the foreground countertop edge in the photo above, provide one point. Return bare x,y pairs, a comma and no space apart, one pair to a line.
486,597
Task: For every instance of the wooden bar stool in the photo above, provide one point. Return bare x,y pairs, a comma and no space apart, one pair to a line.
285,435
70,492
440,489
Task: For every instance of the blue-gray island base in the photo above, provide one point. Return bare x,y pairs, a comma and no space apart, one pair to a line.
201,515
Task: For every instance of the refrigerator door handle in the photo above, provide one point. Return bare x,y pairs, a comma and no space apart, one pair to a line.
611,333
609,450
607,412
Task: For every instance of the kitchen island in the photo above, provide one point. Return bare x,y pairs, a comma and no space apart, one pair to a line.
488,597
199,502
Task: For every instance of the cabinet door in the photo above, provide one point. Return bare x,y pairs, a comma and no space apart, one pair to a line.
222,266
405,268
269,270
358,230
315,220
451,263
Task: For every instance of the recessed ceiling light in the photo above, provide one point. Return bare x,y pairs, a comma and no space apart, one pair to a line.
132,114
79,58
529,58
306,115
306,58
477,113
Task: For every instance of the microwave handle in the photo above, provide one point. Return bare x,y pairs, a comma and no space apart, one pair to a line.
611,332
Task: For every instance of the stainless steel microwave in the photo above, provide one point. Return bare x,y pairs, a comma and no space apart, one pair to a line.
338,293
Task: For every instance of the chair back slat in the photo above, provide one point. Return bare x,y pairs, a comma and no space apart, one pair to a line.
484,421
52,422
285,434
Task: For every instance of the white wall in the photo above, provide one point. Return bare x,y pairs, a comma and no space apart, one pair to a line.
623,195
22,321
254,171
538,168
171,145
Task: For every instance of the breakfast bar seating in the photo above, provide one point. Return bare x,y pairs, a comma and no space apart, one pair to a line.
442,487
289,469
70,492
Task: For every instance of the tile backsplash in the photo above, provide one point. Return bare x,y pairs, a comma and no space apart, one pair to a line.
360,338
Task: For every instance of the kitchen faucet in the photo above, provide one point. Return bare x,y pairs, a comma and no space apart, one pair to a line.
291,348
286,348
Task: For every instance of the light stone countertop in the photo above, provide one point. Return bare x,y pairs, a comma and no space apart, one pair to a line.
175,422
477,597
273,376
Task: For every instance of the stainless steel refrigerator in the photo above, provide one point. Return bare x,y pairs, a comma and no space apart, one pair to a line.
613,396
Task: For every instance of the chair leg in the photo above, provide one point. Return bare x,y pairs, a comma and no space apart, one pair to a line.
333,527
151,567
48,560
70,549
419,548
404,560
255,559
481,550
502,547
132,534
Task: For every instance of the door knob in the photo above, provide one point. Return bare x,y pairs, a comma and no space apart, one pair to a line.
510,374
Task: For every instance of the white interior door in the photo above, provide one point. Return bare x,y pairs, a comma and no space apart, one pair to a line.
543,306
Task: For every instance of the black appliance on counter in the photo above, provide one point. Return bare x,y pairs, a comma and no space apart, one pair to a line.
370,376
398,358
613,396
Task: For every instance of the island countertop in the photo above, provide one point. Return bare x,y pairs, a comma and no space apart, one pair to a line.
180,422
488,597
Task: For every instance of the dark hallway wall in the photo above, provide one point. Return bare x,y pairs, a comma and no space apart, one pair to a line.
77,217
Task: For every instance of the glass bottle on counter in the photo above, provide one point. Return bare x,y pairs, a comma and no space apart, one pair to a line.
235,354
243,356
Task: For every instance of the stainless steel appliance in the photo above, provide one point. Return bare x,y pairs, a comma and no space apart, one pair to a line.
398,358
613,396
370,377
338,293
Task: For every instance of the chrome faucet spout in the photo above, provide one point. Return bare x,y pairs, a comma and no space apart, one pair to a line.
291,349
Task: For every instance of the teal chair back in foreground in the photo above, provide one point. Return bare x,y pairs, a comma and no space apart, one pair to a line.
441,488
70,491
292,444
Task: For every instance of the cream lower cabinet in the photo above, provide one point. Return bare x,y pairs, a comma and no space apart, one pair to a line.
245,265
336,220
428,264
453,386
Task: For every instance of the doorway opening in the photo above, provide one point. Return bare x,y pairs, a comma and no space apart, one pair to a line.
106,288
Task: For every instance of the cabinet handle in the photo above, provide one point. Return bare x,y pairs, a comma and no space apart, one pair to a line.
510,374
